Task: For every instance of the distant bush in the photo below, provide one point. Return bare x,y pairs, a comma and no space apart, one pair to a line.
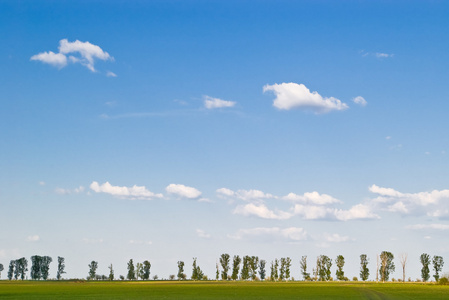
443,281
355,278
171,277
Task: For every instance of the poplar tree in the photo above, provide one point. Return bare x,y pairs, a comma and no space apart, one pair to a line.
181,274
303,266
364,271
437,266
262,269
425,261
61,267
224,261
131,271
340,262
235,267
93,269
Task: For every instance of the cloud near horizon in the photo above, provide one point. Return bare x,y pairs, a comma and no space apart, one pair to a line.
83,53
289,234
183,191
292,95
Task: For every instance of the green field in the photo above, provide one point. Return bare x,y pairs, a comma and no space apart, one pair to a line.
218,290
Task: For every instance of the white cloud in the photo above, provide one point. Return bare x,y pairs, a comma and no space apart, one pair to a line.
86,54
111,74
62,191
183,191
33,238
429,226
292,95
202,234
134,192
55,59
245,195
42,183
260,211
360,101
312,198
433,204
210,102
291,233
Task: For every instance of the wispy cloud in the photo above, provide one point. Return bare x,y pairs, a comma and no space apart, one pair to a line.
33,238
360,101
62,191
134,192
202,234
429,226
211,103
83,53
292,95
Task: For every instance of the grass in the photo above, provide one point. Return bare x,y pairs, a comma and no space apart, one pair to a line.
218,290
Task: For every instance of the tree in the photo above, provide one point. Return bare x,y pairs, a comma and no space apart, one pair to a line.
437,266
303,266
262,269
282,269
245,275
377,268
61,267
146,270
181,274
224,262
131,272
12,264
288,263
21,265
364,271
197,274
111,273
45,266
217,273
235,267
36,267
276,266
425,261
340,262
253,263
139,271
387,265
1,269
403,259
93,269
324,264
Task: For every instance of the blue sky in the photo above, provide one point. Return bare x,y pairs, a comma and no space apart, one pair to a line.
167,130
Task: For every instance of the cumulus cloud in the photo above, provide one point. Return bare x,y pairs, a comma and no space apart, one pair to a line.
211,103
292,95
134,192
290,234
429,226
312,198
55,59
83,53
261,211
183,191
433,204
33,238
360,101
202,234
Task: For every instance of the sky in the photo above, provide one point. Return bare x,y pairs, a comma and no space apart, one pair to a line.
167,130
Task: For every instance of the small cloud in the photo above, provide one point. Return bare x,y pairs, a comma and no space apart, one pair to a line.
42,183
292,95
336,238
312,198
183,191
111,103
206,200
427,237
388,137
62,191
261,211
134,192
111,74
427,153
202,234
33,238
86,54
383,55
181,102
211,103
360,101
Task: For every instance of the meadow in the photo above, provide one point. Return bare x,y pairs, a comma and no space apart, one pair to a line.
218,290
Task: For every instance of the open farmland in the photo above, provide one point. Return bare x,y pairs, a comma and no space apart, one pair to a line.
218,290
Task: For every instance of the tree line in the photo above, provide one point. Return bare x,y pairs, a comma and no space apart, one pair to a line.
242,268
